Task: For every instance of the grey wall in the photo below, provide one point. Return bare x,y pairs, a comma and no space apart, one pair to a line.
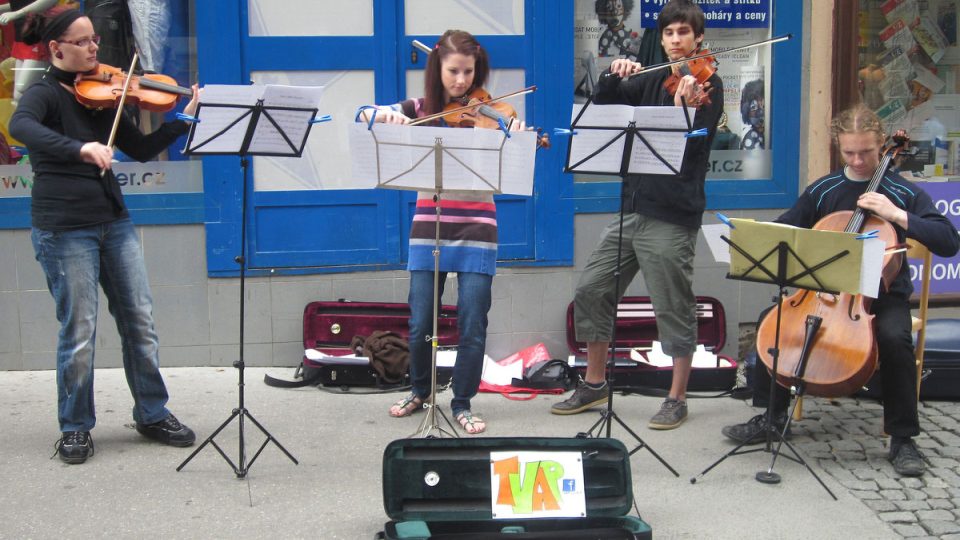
197,317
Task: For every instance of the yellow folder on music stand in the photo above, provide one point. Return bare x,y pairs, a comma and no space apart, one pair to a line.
858,272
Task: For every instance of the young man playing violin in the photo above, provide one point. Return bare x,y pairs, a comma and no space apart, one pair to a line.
456,68
859,135
662,215
82,235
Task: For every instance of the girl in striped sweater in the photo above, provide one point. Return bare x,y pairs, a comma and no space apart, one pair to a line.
468,237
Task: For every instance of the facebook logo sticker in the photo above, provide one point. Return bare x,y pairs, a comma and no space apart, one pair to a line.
569,485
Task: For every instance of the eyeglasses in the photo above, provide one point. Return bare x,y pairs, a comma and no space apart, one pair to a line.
85,42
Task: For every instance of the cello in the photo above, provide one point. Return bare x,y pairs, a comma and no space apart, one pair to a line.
835,331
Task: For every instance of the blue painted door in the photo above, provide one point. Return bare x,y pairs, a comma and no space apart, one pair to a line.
299,219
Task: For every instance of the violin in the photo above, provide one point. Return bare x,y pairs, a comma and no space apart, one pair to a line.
701,67
477,110
834,331
473,110
103,87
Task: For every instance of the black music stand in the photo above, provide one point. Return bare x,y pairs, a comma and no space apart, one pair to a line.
399,157
244,130
607,138
782,266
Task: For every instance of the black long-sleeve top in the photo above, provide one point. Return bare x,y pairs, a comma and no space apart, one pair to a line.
925,224
67,192
678,199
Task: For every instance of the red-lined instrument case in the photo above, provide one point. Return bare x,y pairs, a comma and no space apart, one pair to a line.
329,327
636,328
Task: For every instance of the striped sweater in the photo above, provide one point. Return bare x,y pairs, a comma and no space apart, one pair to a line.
468,233
468,225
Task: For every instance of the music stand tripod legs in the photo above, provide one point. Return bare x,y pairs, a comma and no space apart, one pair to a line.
430,424
243,466
768,476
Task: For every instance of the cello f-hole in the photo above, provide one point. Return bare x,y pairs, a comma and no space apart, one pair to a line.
850,308
797,301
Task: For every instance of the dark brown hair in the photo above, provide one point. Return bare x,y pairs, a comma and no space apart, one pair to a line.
682,11
452,42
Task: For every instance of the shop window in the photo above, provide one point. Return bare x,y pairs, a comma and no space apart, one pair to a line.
909,74
754,125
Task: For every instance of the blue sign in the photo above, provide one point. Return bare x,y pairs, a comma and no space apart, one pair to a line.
719,13
945,273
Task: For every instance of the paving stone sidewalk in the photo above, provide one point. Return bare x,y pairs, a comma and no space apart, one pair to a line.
844,437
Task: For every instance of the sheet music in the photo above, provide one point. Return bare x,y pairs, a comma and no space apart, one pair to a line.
871,268
587,141
215,118
671,145
267,139
718,248
403,157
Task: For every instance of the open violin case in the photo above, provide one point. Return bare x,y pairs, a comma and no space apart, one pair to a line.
329,327
636,328
443,489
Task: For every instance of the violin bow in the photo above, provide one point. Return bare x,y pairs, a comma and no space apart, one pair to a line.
655,67
123,98
441,114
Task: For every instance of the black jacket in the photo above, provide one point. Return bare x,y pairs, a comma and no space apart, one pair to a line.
67,192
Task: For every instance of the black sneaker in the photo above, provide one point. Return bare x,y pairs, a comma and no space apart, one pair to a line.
74,447
583,398
168,431
751,431
906,458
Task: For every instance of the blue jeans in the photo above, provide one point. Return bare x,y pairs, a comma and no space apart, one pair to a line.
74,261
473,303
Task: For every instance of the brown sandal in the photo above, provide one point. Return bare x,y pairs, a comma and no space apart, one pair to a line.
470,423
406,406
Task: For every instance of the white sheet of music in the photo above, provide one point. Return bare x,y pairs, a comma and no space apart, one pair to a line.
215,119
671,145
587,141
403,157
267,138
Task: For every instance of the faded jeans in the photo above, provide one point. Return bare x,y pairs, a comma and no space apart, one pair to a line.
74,262
473,303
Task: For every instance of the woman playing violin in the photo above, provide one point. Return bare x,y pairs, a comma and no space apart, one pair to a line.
859,135
457,67
662,214
82,235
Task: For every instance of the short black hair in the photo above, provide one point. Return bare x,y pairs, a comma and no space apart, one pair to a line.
682,11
